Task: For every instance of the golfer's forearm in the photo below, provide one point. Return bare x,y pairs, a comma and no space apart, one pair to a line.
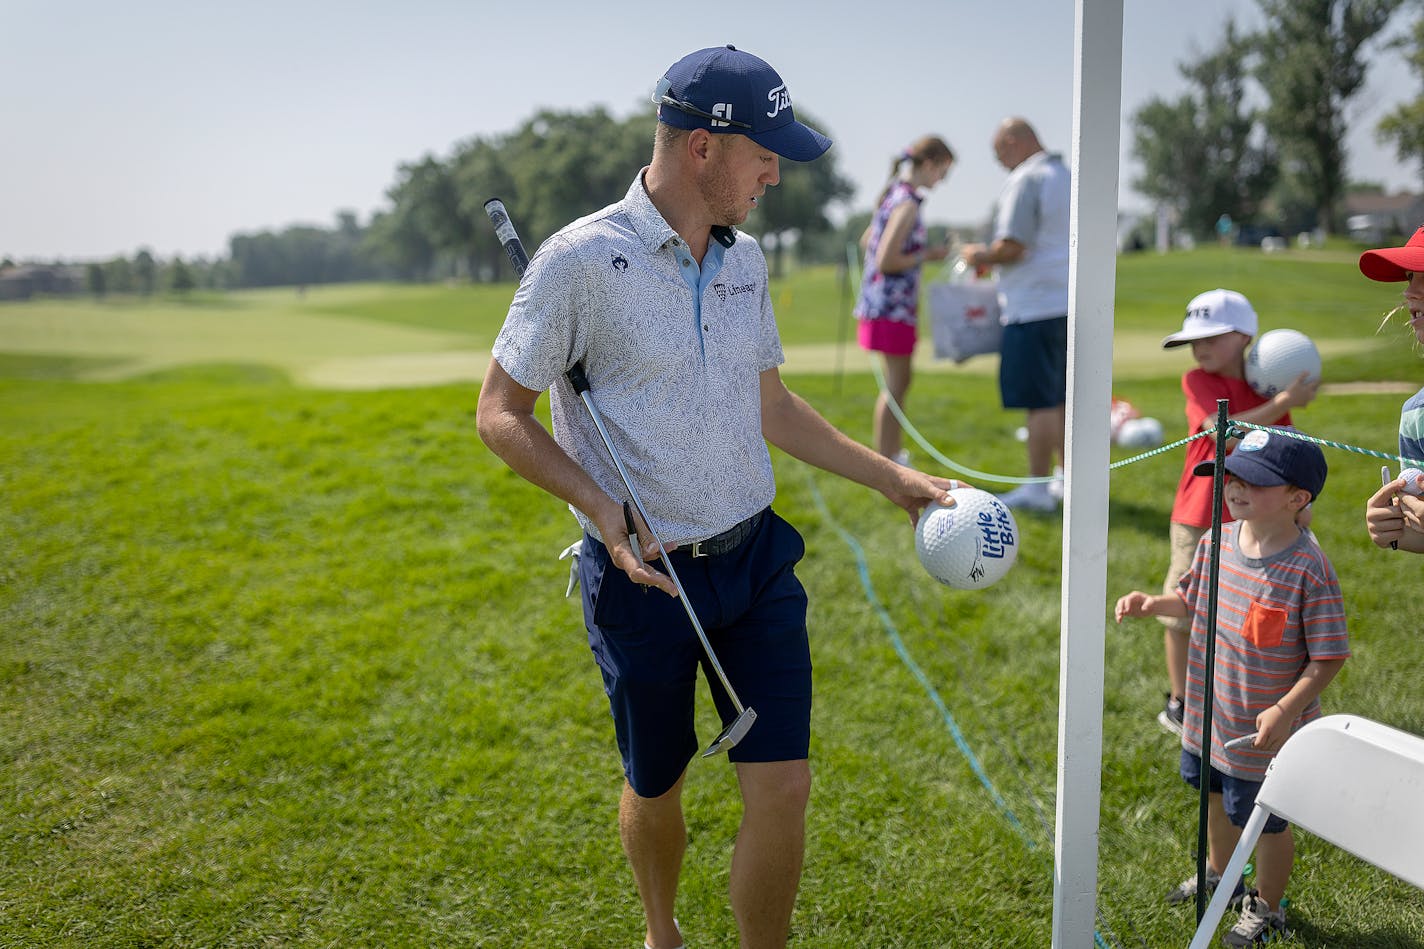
799,430
530,451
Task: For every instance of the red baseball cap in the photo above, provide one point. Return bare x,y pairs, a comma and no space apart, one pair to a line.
1391,264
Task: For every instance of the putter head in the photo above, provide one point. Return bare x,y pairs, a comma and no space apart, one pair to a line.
732,733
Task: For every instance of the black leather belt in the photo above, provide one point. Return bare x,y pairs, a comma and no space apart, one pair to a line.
727,541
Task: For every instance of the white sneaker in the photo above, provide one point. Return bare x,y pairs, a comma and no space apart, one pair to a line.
1055,487
902,457
1030,497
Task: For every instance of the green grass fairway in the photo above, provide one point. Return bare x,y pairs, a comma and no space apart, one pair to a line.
285,660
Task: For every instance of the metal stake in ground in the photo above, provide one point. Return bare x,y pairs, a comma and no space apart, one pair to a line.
1218,482
746,716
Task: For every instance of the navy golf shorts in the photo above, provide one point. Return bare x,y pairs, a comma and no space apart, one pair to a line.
1033,364
1238,795
753,610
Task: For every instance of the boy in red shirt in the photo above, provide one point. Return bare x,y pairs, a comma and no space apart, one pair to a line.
1219,326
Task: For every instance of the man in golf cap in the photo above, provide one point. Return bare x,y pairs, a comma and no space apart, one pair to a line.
667,308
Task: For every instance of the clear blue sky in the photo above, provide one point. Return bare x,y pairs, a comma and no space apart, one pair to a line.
173,125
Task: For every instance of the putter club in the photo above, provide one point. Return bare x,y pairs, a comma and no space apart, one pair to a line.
746,716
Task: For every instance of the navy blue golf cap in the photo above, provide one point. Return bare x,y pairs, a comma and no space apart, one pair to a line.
725,90
1268,457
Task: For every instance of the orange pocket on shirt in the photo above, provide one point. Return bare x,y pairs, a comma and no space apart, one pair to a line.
1264,626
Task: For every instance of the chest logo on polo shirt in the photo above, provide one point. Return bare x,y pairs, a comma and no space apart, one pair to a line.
620,262
724,290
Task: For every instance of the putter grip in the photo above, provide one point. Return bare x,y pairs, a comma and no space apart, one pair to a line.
577,378
504,230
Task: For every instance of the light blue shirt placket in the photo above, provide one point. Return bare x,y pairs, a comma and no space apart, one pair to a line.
698,279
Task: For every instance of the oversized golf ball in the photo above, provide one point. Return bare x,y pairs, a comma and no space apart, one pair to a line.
970,545
1413,481
1140,433
1278,359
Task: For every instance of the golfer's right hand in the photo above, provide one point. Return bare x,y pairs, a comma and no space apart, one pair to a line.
615,537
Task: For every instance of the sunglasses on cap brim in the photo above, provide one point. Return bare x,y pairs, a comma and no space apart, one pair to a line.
661,97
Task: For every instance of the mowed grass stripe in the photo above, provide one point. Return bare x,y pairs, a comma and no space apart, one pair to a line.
293,667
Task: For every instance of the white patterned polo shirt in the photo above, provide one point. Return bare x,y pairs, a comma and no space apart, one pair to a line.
675,374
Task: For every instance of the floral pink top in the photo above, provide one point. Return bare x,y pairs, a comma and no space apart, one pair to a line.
892,296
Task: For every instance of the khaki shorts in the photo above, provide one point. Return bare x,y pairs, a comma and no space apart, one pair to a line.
1184,539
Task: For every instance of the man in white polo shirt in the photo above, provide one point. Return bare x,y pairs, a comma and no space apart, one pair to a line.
667,308
1028,243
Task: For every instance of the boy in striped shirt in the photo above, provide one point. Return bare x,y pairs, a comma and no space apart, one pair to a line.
1280,639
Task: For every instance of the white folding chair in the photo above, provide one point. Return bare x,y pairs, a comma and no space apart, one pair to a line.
1345,779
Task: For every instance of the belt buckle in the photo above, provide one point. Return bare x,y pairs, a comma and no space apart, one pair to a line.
697,550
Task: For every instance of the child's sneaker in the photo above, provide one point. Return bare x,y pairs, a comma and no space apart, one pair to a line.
1186,891
1170,717
1030,497
1258,925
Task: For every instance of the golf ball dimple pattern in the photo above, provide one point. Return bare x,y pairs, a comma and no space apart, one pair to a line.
970,545
1412,478
1278,357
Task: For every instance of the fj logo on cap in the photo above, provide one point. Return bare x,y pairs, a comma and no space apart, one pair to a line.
722,110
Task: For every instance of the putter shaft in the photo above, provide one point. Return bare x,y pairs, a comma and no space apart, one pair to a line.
662,551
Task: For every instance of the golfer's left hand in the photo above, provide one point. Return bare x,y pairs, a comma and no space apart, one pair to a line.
916,490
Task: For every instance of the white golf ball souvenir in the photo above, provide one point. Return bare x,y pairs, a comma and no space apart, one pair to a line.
970,545
1413,481
1140,433
1278,358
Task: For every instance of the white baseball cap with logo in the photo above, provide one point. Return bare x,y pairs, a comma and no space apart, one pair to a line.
1212,314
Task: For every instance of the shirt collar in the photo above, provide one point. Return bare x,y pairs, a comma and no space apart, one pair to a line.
647,221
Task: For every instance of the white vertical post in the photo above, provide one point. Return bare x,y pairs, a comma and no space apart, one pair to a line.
1097,97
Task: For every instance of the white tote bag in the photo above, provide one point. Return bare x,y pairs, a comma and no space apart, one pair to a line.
964,314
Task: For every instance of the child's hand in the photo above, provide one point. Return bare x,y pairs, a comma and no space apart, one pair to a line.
1272,729
1135,603
1301,392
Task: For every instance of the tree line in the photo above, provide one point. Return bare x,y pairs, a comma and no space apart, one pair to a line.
1259,136
553,169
